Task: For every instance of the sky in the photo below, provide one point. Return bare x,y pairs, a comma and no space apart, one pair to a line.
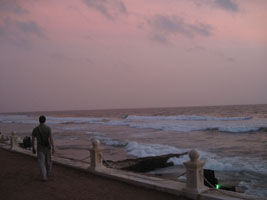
104,54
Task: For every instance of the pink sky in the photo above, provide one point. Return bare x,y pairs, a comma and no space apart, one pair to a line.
96,54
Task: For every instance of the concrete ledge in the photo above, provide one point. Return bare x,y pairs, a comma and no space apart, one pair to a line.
168,186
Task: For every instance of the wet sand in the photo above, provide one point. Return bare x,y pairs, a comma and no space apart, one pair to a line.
19,179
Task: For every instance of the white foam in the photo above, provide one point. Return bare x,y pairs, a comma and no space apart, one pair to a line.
71,128
24,119
188,117
93,133
250,188
198,126
74,120
178,123
111,142
226,125
239,129
212,161
170,126
182,123
178,161
19,119
144,150
215,162
12,117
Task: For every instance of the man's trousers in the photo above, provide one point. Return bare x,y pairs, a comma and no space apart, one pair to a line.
45,162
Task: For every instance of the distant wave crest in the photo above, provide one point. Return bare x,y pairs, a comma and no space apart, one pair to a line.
179,123
188,117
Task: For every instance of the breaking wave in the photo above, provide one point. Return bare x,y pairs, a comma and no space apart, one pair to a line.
93,133
111,142
213,161
188,117
145,150
71,128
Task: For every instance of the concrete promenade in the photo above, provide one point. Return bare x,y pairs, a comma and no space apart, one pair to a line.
19,179
19,175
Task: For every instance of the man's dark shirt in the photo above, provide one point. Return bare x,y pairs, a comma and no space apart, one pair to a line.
45,132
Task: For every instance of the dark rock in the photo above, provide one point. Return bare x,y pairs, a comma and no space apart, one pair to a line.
145,164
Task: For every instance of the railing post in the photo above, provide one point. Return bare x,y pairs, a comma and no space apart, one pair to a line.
194,174
96,155
13,140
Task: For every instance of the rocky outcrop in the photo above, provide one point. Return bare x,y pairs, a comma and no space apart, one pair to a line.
145,164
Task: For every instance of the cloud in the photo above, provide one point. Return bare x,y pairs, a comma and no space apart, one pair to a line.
211,52
12,6
162,27
196,48
17,32
60,57
109,8
14,29
225,57
29,27
227,5
160,38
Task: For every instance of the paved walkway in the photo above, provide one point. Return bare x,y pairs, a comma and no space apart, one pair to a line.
19,179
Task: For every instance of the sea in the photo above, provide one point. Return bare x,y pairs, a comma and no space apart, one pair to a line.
232,140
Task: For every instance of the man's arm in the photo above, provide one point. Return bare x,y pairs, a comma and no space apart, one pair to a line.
33,148
52,143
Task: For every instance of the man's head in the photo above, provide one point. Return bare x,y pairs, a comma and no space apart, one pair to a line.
42,119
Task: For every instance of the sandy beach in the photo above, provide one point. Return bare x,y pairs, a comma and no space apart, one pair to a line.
19,179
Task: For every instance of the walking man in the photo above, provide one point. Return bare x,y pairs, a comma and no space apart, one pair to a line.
45,144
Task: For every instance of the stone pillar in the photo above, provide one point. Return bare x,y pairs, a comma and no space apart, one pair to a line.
96,155
195,176
13,140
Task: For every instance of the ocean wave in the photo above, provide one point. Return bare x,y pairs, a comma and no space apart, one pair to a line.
145,150
251,189
10,117
73,120
187,117
212,161
242,129
111,142
71,128
19,119
24,119
217,163
165,123
232,128
93,133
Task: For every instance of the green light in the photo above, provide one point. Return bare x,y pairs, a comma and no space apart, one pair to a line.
217,187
